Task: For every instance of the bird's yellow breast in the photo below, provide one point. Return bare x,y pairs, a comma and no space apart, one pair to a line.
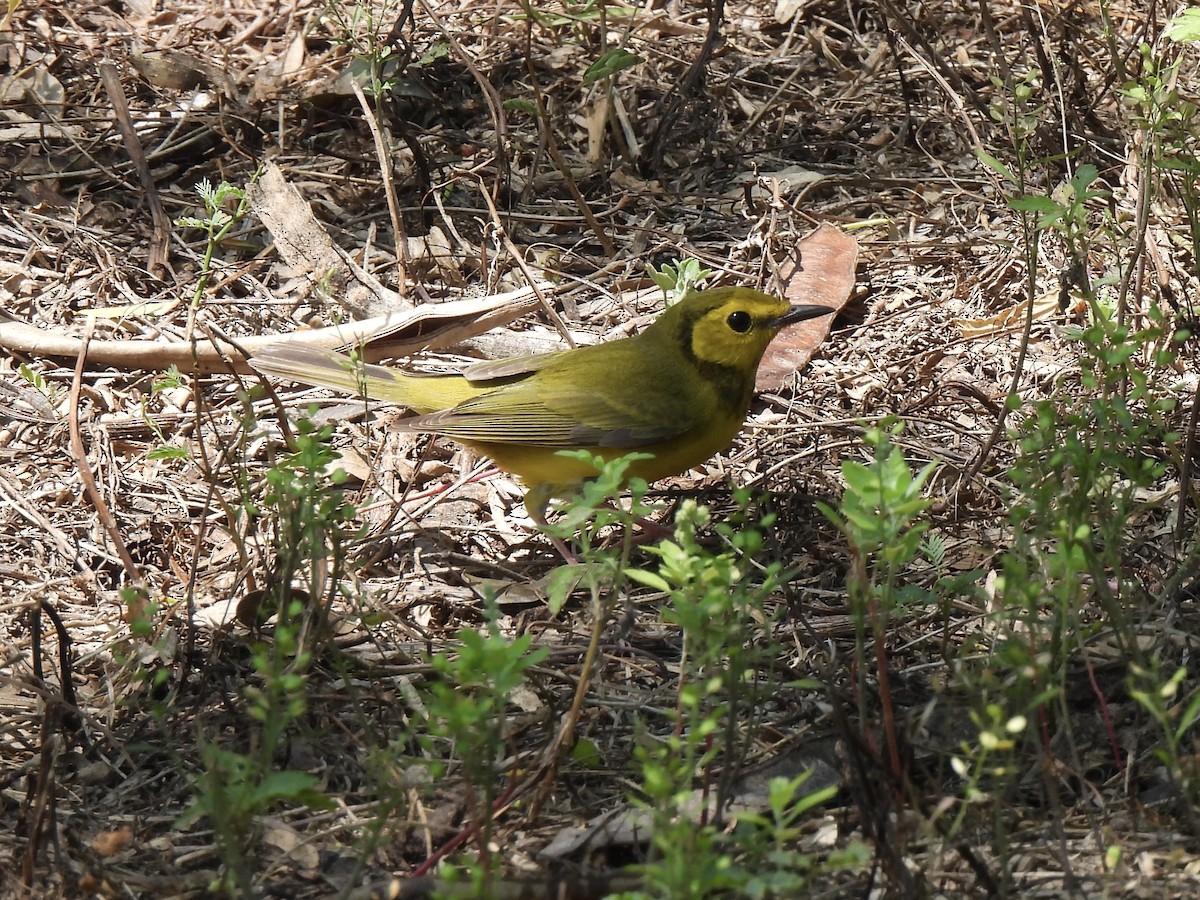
536,465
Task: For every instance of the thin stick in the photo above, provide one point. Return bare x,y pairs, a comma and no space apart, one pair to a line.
389,190
79,455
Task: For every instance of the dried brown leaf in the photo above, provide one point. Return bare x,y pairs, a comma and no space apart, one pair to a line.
823,274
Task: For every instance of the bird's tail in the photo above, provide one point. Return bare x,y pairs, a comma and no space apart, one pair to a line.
326,368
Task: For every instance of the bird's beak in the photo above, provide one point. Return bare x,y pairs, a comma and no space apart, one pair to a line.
800,313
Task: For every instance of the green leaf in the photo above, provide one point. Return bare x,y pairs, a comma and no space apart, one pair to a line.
1035,204
286,785
807,801
437,51
520,104
860,479
649,579
587,753
996,166
169,451
609,64
1185,26
561,583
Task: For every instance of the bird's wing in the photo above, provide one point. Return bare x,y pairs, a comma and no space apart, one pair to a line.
494,369
619,400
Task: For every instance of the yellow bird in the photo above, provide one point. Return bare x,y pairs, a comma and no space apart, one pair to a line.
679,390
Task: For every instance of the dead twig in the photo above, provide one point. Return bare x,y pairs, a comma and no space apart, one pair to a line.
684,90
389,190
79,455
161,241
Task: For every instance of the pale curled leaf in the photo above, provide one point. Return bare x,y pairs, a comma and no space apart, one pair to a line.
1010,318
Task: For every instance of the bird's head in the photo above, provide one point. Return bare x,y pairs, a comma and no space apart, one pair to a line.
731,327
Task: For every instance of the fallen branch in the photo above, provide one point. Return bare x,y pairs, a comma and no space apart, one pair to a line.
427,327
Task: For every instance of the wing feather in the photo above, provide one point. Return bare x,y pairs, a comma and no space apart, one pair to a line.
586,403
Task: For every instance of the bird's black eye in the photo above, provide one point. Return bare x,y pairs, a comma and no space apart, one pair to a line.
739,321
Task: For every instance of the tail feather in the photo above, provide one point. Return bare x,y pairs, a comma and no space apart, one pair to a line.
319,367
326,368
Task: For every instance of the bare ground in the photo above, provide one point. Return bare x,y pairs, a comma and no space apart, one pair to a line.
865,117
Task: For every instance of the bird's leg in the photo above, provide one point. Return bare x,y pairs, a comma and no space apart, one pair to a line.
536,501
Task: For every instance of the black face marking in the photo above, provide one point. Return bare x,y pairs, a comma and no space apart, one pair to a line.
733,387
739,321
